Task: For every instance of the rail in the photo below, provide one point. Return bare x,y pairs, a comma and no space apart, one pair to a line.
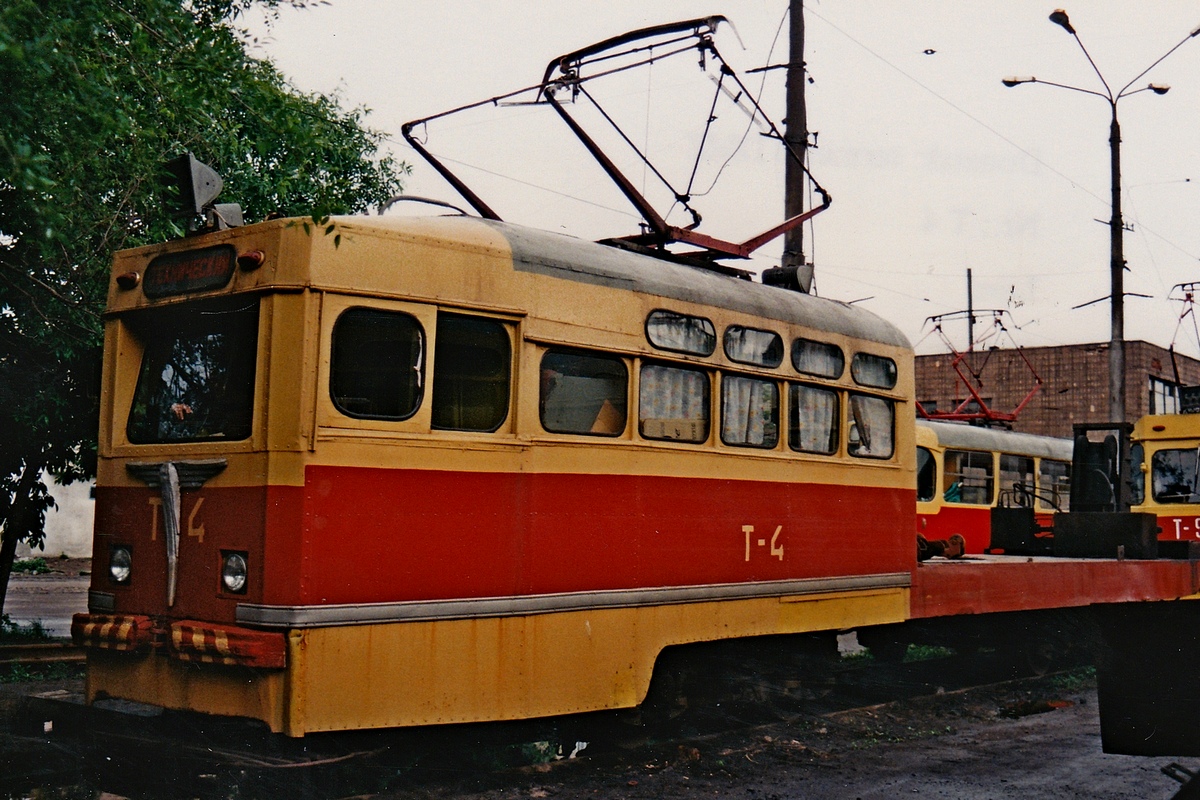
40,653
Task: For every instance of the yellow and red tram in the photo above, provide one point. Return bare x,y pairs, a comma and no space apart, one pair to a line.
1165,473
434,470
964,471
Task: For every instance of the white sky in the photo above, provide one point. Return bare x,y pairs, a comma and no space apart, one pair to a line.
933,165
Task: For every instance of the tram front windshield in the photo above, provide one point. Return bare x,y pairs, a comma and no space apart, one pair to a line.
196,381
1173,475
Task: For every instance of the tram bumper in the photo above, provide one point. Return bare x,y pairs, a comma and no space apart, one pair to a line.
185,640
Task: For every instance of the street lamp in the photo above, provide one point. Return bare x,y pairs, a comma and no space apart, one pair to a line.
1116,350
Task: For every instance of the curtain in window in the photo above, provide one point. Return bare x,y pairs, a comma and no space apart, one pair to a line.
749,411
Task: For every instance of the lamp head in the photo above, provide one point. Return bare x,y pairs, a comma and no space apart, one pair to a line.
1059,17
1159,88
1012,81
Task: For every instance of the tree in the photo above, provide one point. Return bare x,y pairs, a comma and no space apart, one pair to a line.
97,96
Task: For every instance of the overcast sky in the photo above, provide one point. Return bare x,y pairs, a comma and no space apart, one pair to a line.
934,166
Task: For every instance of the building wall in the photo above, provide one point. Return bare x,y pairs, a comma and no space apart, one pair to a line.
68,527
1074,382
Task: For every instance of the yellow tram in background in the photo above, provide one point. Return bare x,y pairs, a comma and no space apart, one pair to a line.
964,471
1165,471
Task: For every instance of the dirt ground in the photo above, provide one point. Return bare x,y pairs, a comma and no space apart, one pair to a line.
1029,739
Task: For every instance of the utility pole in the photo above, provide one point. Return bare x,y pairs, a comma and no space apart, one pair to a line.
970,314
796,136
1116,225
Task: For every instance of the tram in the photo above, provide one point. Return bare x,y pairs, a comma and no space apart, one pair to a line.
1165,474
964,471
434,470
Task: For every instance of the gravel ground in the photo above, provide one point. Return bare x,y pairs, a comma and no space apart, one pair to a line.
1030,739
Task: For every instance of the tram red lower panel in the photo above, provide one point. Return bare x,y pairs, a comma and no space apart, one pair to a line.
1013,583
418,534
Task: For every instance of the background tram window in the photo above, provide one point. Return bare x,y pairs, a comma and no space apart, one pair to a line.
583,393
968,477
1137,475
1016,476
472,368
1173,476
926,475
814,417
872,427
1054,485
674,404
377,364
749,412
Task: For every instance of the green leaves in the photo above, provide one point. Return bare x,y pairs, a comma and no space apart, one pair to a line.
97,96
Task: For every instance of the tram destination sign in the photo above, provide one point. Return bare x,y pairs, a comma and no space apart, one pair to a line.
189,271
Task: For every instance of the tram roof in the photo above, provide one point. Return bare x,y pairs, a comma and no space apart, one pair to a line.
566,257
958,434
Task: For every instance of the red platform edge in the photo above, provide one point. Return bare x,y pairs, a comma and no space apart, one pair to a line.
988,584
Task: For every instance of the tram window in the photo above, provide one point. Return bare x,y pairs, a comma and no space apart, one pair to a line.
1137,477
818,358
674,404
1016,479
1173,476
472,361
968,477
196,381
749,412
872,427
871,370
752,346
814,419
583,393
681,333
926,475
377,364
1054,484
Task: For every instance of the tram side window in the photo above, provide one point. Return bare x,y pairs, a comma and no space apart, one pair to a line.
818,358
1173,477
814,417
583,393
753,346
1137,478
968,477
674,404
1054,485
749,412
472,371
872,370
872,427
926,475
681,333
377,364
1016,479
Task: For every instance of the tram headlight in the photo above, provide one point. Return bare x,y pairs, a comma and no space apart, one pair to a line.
234,574
120,564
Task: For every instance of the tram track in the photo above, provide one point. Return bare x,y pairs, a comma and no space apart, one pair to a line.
33,654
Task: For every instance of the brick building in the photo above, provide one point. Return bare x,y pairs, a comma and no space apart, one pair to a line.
1074,383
